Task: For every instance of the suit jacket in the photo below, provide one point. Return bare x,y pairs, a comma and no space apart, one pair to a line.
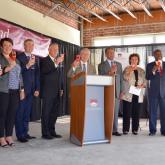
128,80
104,68
90,70
156,82
49,78
31,76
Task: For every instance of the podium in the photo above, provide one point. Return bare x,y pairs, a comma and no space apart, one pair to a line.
92,100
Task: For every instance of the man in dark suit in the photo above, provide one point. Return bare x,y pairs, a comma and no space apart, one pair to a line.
30,73
50,91
113,68
81,64
155,73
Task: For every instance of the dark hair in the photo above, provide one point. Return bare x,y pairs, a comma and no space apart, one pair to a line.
134,55
157,50
106,50
28,40
6,39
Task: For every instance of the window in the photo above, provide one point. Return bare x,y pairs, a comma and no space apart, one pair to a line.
107,41
160,38
135,40
130,40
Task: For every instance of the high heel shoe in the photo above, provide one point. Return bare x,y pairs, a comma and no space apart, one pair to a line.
9,141
11,144
4,145
3,142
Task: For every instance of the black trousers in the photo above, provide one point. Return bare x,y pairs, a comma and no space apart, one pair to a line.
8,105
50,111
131,109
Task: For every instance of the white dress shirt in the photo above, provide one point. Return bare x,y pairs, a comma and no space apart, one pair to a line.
110,62
52,58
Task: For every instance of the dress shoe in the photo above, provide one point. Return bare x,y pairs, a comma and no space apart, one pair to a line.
22,140
125,133
135,132
30,137
48,137
151,134
56,135
116,133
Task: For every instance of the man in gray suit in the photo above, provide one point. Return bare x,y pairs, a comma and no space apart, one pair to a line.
113,68
81,64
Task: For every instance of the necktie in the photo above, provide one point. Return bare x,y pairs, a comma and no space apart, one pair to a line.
161,71
84,68
28,57
111,63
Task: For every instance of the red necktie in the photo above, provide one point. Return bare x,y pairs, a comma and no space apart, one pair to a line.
161,71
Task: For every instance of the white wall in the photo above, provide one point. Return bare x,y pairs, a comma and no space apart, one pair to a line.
26,17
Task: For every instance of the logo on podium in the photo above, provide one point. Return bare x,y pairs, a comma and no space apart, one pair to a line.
93,102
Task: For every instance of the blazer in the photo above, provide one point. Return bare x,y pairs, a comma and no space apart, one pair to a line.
4,79
156,82
104,68
50,84
129,80
31,77
90,70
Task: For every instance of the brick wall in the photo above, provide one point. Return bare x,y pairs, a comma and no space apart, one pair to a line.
56,15
128,26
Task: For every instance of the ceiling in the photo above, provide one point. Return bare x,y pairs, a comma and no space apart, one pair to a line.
87,9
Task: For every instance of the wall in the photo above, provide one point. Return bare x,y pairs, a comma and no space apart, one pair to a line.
128,26
29,18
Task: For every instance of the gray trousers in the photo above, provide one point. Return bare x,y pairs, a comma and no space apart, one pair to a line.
116,112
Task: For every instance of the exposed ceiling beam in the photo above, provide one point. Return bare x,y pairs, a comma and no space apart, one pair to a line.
162,4
106,9
62,5
75,13
51,10
145,9
123,7
87,10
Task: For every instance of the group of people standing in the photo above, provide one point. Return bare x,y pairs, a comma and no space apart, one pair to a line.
133,76
22,78
25,76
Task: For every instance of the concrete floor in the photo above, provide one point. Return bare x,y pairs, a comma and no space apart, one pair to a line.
124,150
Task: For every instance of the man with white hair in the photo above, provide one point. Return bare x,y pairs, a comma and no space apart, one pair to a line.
50,91
81,64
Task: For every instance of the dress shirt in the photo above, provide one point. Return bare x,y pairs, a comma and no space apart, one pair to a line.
52,58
